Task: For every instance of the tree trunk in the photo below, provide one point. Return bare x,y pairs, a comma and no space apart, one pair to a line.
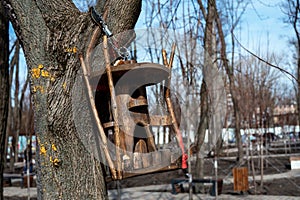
16,117
230,74
206,83
4,88
9,126
295,27
67,168
212,93
203,125
13,122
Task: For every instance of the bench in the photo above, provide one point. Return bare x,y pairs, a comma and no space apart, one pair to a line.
174,182
9,177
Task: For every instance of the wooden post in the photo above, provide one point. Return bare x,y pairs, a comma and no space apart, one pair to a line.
240,179
96,117
139,151
113,107
253,169
168,99
261,163
150,139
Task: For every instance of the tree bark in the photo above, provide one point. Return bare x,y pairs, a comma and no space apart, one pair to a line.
205,106
12,119
203,125
230,74
295,27
16,117
46,29
4,88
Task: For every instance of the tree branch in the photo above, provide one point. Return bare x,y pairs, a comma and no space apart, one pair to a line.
58,13
264,61
25,18
202,9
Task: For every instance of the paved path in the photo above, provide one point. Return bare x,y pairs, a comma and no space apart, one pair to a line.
154,193
162,192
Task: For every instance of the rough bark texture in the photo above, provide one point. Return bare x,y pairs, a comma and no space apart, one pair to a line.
47,30
4,88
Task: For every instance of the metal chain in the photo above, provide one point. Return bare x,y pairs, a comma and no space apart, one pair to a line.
122,51
97,18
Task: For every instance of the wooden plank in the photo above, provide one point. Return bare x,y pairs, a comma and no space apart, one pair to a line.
140,149
151,169
240,179
140,101
156,158
175,155
294,158
158,120
166,157
109,124
28,183
127,125
147,160
154,120
159,72
150,139
127,163
137,160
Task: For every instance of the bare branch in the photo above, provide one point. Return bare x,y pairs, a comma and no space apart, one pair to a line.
266,62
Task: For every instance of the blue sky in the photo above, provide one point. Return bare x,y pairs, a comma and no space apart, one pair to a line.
262,27
265,31
263,21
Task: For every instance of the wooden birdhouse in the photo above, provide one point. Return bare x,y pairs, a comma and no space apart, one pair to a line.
124,122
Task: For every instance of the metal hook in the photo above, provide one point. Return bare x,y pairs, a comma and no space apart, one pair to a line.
100,22
123,52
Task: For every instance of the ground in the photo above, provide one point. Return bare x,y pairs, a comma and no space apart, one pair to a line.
276,162
280,186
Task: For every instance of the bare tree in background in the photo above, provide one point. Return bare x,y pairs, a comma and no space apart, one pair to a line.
199,29
4,88
13,126
209,53
180,20
231,82
292,11
256,87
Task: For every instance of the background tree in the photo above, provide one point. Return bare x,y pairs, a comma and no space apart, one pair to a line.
45,29
209,55
256,89
4,88
14,113
184,17
292,11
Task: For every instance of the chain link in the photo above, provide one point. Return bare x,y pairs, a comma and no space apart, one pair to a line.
123,52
